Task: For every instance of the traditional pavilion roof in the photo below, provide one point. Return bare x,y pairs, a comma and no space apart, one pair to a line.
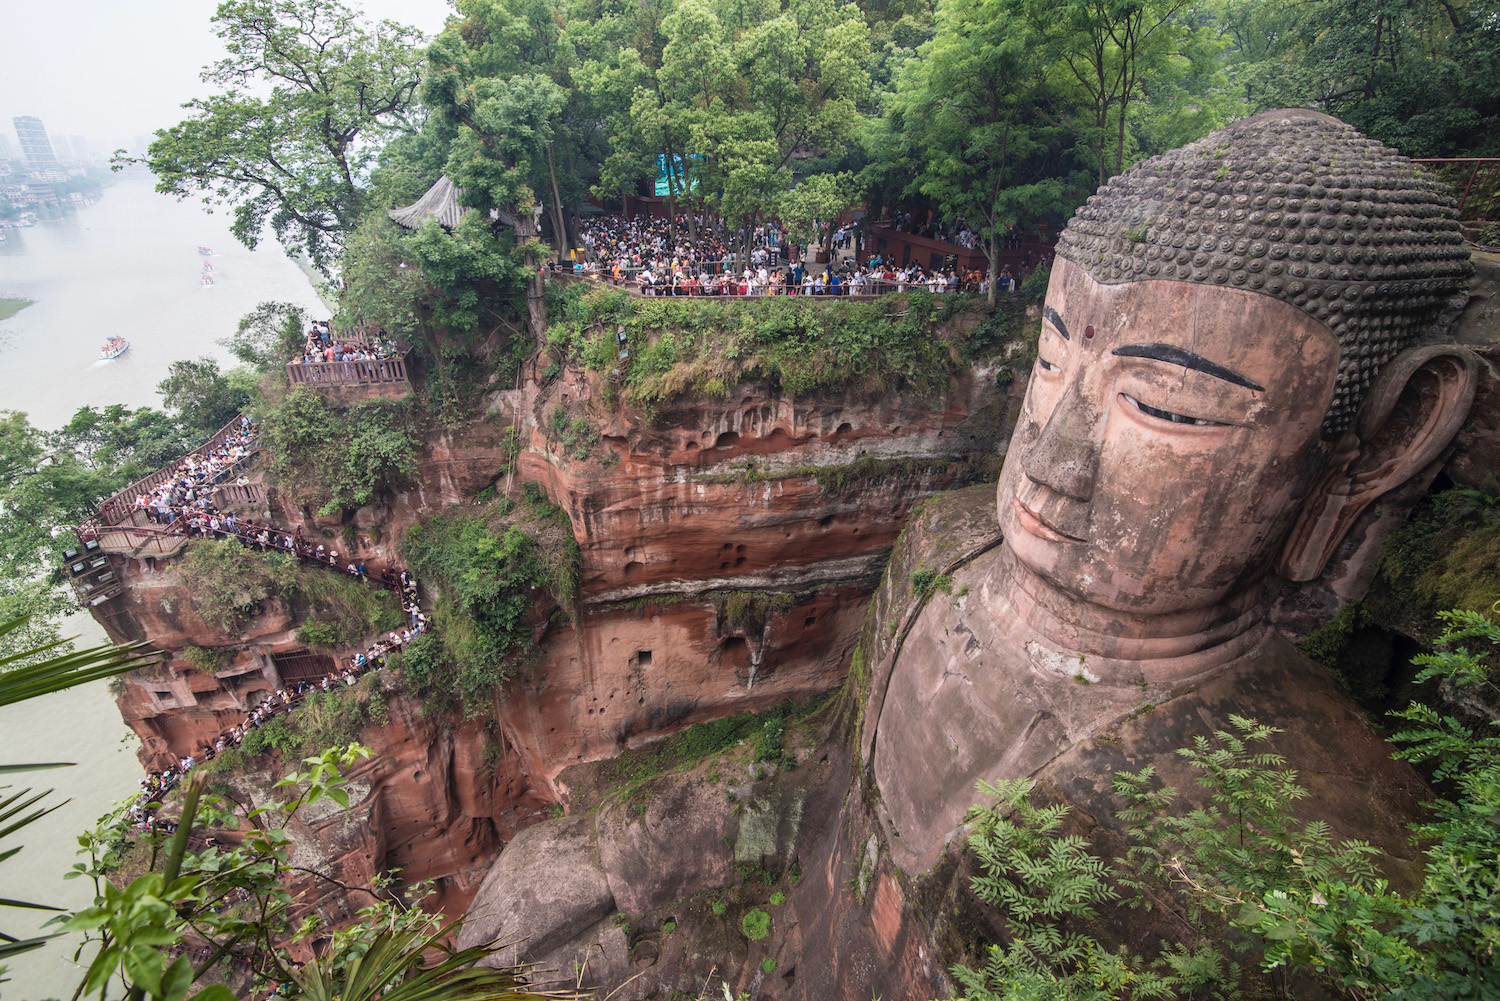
441,203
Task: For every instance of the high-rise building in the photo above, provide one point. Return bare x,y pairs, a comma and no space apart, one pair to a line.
35,146
77,149
5,149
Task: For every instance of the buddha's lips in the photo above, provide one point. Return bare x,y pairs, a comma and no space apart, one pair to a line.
1034,524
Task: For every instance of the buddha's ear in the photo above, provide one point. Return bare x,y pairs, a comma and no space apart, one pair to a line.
1416,406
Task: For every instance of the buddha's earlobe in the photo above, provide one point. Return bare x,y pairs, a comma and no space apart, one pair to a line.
1416,406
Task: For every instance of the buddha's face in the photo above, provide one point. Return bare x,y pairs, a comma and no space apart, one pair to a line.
1169,431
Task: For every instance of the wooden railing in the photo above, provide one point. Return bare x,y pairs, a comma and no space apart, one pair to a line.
347,373
238,493
117,507
136,540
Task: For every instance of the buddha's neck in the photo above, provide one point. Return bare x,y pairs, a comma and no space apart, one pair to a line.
1120,645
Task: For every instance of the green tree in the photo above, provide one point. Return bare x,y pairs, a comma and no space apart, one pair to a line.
44,492
309,94
269,336
503,109
126,443
204,398
967,124
1098,56
339,458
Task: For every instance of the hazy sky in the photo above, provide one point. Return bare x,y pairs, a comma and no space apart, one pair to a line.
109,70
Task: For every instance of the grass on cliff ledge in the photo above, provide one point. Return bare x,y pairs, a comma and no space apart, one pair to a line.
764,733
801,344
231,582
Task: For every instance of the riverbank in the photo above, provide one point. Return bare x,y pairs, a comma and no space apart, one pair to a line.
10,307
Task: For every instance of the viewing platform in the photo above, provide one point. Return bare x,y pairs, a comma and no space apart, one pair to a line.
122,527
868,292
351,381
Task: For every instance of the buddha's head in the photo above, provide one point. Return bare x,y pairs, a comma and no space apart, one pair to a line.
1231,365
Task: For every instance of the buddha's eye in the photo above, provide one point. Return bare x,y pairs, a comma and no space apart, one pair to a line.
1167,415
1047,366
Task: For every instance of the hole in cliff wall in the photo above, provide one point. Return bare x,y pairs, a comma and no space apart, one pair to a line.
845,428
691,446
736,650
740,562
740,548
728,439
727,545
826,520
642,659
809,621
723,566
633,567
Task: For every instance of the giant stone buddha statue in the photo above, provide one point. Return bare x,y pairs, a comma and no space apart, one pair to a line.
1236,359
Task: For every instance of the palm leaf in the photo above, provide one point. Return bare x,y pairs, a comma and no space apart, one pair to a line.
392,969
17,683
63,670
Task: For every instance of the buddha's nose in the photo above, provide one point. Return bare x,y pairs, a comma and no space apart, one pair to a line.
1065,456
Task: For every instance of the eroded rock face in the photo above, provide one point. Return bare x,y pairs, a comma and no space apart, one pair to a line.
750,493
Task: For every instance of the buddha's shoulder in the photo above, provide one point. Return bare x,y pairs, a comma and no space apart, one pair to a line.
1319,730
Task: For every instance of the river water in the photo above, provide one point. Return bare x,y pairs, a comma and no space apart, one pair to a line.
127,265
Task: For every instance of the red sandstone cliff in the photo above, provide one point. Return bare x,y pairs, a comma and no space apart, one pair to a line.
750,493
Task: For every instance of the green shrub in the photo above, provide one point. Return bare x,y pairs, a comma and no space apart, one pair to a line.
778,898
1034,288
756,924
231,581
319,634
339,458
801,344
486,570
333,718
718,907
768,965
202,659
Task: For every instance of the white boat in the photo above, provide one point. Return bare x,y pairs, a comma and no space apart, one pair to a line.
206,251
208,279
113,348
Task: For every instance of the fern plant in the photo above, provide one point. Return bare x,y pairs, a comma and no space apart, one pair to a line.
1042,881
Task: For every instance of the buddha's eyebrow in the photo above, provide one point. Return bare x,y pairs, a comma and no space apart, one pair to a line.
1177,356
1051,314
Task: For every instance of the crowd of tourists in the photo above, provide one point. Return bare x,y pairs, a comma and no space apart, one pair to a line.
615,245
188,488
322,346
874,278
184,499
658,257
282,702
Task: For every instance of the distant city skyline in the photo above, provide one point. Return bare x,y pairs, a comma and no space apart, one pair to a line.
113,72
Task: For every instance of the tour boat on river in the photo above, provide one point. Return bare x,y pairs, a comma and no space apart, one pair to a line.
208,279
206,251
113,348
